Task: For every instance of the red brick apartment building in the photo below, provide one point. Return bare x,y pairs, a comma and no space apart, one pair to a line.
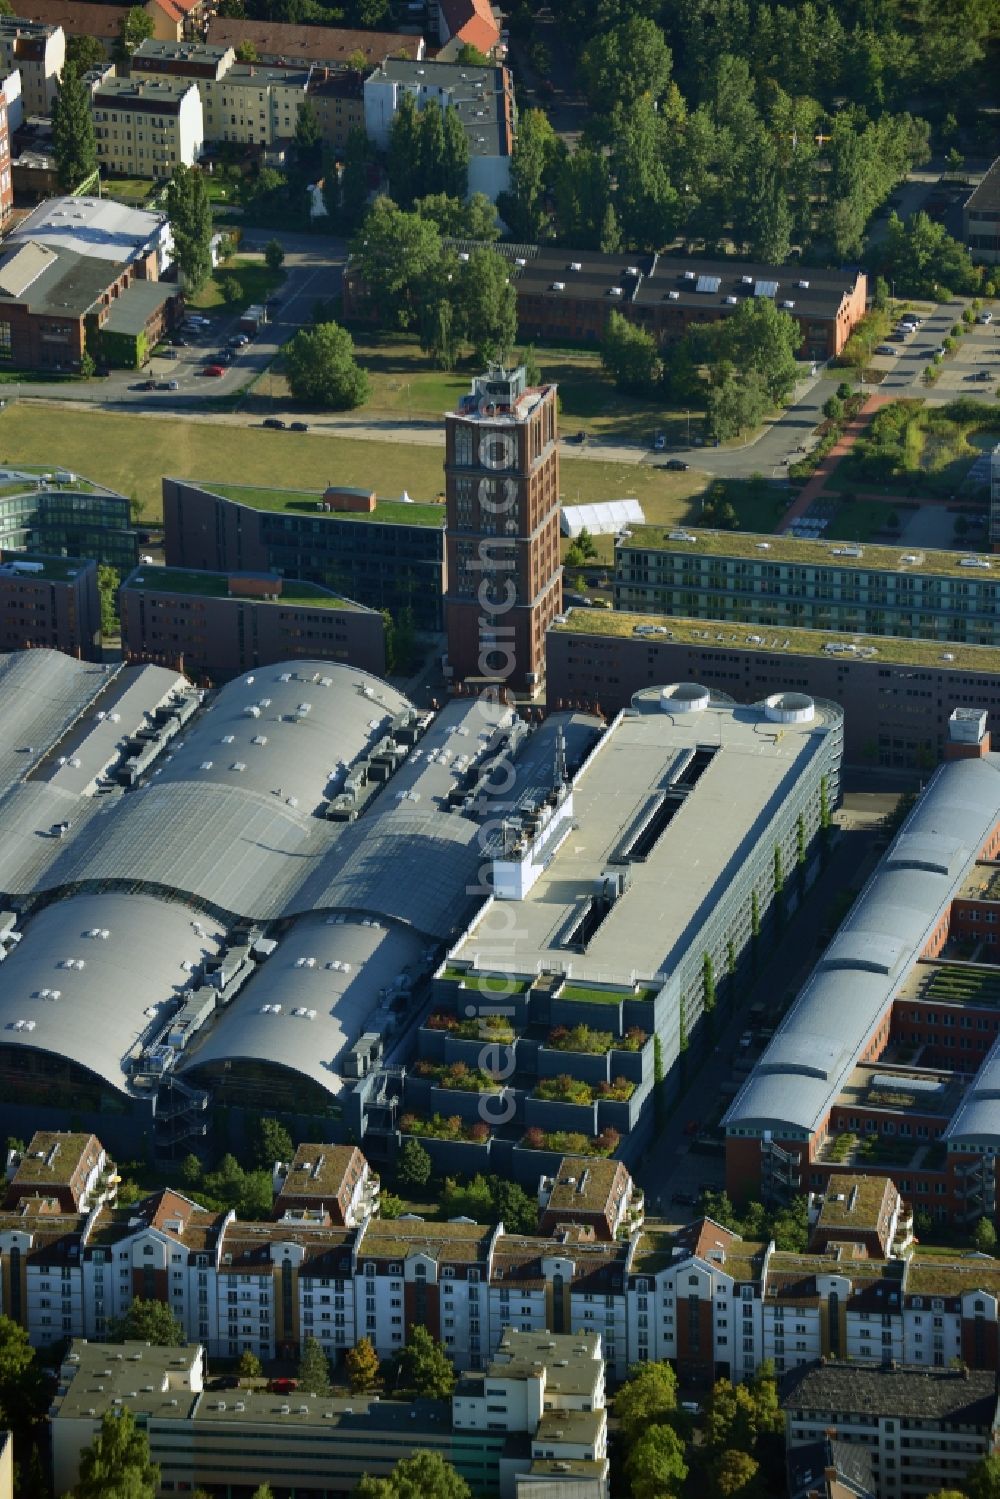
216,625
50,602
567,295
890,1055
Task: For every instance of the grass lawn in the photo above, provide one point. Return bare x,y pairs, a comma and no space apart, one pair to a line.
405,383
255,280
132,190
131,453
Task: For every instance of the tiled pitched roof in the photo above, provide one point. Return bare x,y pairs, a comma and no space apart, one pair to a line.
472,22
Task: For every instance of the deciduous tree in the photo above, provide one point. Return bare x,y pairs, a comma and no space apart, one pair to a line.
425,1475
321,368
116,1465
148,1322
363,1367
189,210
394,251
423,1369
647,1398
73,140
488,304
631,356
655,1464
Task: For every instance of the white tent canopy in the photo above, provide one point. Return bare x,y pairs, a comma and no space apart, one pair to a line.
604,519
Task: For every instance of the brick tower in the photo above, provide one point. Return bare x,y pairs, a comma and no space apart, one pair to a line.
502,490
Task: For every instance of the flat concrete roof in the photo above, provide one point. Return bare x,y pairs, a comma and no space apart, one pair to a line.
651,926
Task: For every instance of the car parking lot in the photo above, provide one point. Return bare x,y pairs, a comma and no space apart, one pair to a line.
971,368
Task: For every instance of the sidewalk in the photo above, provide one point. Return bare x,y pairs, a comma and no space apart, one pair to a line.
826,466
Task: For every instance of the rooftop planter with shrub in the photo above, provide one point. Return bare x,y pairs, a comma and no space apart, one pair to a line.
569,1142
478,1028
582,1038
437,1127
458,1076
566,1089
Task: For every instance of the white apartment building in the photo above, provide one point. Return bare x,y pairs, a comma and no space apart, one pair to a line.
37,52
13,95
243,102
147,127
326,1266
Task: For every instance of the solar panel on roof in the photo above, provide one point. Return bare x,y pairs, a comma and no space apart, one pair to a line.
708,283
765,288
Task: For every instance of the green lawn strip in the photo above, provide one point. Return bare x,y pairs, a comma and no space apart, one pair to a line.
256,282
131,453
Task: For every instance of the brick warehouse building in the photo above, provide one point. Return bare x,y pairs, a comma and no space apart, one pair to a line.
891,1052
566,295
502,496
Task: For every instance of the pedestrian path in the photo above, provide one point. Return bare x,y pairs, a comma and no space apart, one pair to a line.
826,466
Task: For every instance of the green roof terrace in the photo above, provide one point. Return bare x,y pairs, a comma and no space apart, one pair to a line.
953,983
769,549
217,585
886,650
45,569
304,501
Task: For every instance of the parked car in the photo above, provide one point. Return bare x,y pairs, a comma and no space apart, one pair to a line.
224,356
216,370
179,341
282,1386
887,349
167,354
676,465
659,442
143,385
238,341
197,320
984,374
167,385
274,422
746,1040
298,426
985,318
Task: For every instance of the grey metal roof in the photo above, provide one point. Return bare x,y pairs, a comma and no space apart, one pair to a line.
241,840
292,728
262,1024
977,1118
101,1012
851,988
41,693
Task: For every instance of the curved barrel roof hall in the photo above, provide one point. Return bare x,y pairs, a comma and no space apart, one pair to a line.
132,893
